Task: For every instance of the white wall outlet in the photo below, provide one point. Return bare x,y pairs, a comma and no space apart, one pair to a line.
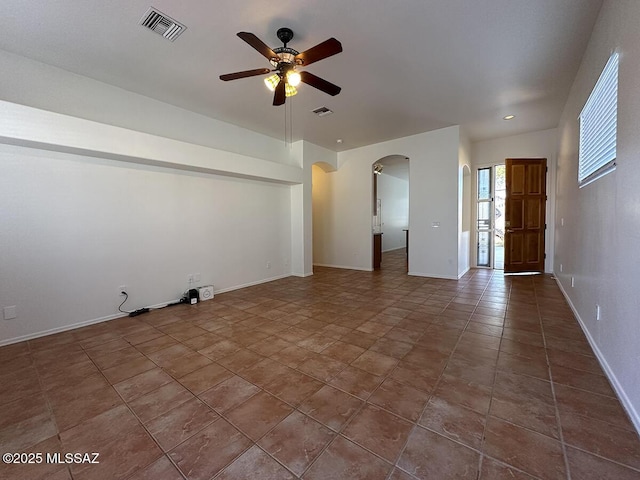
10,312
190,278
268,264
122,288
197,277
573,281
435,224
597,312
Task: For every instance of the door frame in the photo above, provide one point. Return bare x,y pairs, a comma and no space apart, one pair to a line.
553,220
541,231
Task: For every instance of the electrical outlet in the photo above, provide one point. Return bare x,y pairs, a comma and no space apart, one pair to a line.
10,312
597,312
573,282
197,277
122,288
190,278
268,264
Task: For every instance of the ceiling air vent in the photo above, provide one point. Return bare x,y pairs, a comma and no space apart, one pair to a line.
158,22
322,111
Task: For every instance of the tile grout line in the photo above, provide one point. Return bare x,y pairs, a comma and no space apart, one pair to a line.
495,376
141,423
348,422
45,394
431,395
553,390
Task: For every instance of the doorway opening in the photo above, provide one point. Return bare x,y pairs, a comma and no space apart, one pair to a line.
490,227
390,212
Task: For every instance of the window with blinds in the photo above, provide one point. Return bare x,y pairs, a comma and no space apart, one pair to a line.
598,126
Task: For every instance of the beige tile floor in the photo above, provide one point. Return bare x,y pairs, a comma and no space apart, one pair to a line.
342,375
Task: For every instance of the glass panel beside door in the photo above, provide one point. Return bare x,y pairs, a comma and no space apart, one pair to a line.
490,217
484,228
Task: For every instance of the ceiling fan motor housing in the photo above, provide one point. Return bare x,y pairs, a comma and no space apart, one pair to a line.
285,35
286,57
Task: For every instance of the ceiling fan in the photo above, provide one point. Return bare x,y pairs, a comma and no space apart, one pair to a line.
286,60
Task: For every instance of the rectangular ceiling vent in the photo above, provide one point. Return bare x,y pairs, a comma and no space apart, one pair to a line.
322,111
160,23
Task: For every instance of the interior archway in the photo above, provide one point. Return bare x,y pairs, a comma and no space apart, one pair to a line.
390,210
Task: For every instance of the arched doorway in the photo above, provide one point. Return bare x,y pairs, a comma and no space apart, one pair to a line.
390,212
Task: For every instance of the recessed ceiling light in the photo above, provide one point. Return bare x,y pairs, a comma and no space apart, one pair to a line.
509,117
339,140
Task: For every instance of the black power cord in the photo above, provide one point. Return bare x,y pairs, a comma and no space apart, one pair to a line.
126,297
135,313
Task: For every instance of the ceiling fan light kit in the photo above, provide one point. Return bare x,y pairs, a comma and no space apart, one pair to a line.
285,60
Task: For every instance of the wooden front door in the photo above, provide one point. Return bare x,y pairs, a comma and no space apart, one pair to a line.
525,223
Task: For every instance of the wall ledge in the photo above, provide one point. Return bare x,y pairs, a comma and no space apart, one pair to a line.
31,127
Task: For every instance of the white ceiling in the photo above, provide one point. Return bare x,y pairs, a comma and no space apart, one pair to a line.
408,66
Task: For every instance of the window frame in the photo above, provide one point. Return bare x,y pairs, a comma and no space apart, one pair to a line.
598,131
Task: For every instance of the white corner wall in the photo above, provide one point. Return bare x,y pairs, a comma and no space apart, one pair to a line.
394,195
75,228
540,144
303,239
598,243
346,229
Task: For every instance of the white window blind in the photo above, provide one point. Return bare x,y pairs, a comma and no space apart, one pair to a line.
598,126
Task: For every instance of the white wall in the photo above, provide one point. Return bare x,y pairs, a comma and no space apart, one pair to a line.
75,228
28,82
541,144
323,207
166,159
598,244
433,178
394,195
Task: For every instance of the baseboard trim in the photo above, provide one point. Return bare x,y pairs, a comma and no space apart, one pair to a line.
302,275
345,267
433,275
460,275
622,395
64,328
86,323
251,284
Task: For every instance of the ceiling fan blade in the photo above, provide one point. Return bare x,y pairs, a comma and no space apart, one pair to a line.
258,44
244,74
319,83
320,51
279,96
